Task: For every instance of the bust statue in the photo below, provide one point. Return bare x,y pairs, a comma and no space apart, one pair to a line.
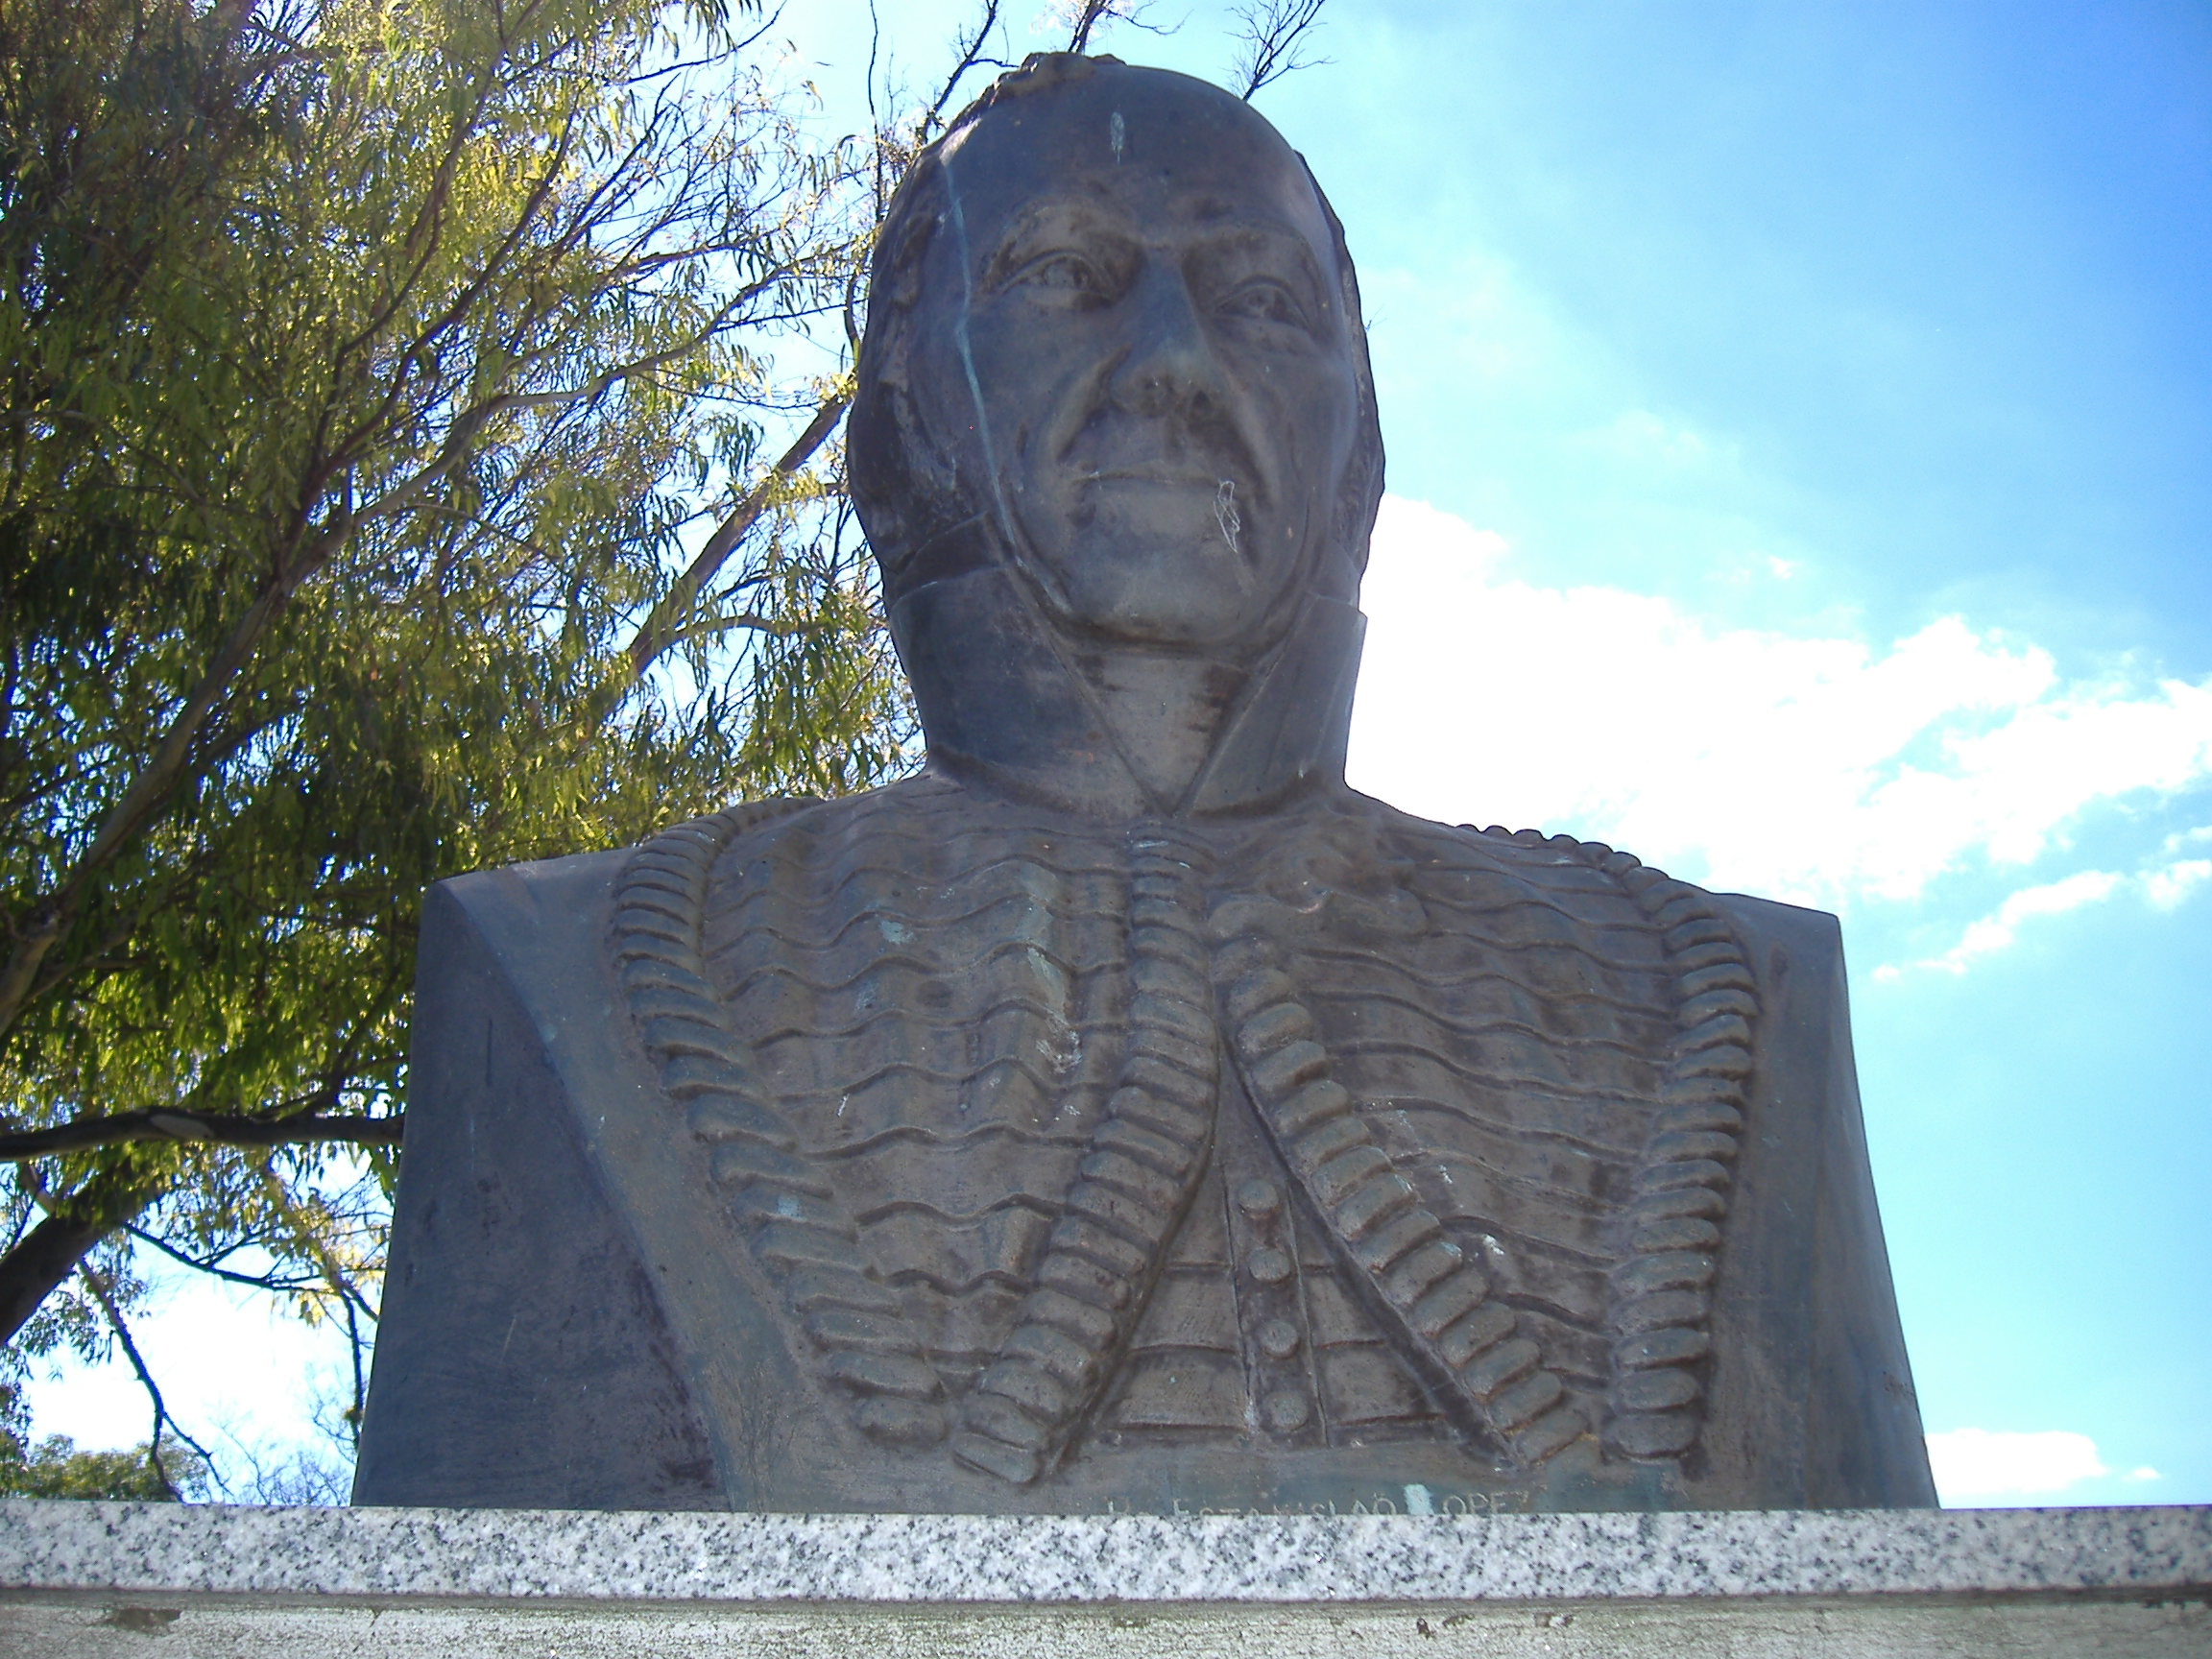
1124,1113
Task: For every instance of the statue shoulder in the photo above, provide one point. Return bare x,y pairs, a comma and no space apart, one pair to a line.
1806,930
773,817
1518,848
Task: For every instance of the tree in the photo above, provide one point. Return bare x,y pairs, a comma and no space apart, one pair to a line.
367,365
54,1468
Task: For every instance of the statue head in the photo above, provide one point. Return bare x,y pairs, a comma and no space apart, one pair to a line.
1112,323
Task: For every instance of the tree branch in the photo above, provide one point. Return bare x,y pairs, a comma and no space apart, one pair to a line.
746,622
1272,33
335,1274
50,1252
663,625
52,915
251,1280
970,52
1084,17
162,1418
88,1133
1088,14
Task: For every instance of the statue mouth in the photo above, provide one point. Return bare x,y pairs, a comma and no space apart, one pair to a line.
1207,482
1208,455
1175,478
1168,499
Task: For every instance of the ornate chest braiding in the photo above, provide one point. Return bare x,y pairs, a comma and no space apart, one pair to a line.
958,1069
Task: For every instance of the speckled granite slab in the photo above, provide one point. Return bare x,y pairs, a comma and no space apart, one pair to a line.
902,1560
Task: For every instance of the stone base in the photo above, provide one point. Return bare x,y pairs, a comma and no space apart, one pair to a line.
88,1579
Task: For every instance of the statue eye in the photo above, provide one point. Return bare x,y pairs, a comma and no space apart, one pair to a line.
1065,274
1263,300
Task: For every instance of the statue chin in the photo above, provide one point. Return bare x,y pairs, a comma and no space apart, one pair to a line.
1181,592
1146,601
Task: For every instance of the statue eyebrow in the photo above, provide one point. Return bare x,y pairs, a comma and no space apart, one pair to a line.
1061,216
1253,235
1054,216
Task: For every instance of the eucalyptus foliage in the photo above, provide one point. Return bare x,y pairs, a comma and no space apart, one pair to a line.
369,368
56,1467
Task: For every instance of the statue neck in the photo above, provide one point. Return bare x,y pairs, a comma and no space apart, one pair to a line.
1120,731
1161,710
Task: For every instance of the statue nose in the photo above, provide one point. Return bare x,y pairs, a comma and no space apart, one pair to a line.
1170,366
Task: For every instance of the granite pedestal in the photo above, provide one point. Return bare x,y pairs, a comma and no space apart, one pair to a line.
80,1580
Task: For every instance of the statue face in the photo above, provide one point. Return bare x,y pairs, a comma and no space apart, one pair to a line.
1163,387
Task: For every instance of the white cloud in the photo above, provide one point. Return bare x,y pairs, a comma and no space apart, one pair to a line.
2167,888
1979,1463
1998,930
1642,438
2145,1473
2164,889
1816,769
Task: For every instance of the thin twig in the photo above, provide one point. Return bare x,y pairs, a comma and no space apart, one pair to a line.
1272,30
268,1282
1088,16
334,1275
360,1382
161,1416
971,45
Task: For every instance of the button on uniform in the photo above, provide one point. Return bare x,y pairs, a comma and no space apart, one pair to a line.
1257,1198
1263,1230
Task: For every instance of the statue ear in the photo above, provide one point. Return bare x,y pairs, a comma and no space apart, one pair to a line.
899,260
1357,498
906,481
933,468
1359,491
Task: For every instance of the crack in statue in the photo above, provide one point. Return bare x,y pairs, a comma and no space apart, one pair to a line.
1124,1112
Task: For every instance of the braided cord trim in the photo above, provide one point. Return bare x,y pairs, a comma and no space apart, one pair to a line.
1662,1298
801,1236
1426,1286
1661,1301
1133,1186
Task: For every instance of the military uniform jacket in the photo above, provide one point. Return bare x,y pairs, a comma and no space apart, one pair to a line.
974,1145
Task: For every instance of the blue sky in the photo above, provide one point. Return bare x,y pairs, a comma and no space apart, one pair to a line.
1800,449
1810,409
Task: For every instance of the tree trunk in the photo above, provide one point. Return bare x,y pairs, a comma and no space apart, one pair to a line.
51,1251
